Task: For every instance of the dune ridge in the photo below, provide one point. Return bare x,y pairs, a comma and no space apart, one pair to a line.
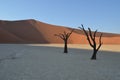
33,31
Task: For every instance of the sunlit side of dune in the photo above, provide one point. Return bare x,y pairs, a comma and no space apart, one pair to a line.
33,31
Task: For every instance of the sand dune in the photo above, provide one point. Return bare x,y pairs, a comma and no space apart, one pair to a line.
33,31
8,37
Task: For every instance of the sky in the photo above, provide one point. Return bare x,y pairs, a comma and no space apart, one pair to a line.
103,15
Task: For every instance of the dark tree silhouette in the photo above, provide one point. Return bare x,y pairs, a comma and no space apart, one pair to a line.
65,36
91,37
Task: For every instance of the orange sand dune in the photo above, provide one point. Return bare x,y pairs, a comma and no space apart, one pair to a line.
32,31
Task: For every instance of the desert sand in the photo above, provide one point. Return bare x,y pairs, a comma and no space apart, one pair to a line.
48,62
33,31
107,47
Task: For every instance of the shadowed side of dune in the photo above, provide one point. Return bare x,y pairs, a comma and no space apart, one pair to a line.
24,31
7,37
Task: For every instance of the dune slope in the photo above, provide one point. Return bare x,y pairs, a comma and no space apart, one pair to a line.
33,31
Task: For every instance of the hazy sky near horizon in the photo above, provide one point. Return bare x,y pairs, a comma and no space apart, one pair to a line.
103,15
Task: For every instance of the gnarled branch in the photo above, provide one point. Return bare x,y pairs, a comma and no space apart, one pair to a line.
91,37
65,36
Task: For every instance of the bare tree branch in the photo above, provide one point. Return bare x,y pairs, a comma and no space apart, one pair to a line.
91,37
65,36
95,34
87,35
100,42
90,33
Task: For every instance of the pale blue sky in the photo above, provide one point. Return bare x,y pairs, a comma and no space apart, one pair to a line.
103,15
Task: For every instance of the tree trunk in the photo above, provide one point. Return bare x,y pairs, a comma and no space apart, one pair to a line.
94,55
65,47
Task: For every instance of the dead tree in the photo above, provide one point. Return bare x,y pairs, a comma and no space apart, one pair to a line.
65,36
91,37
